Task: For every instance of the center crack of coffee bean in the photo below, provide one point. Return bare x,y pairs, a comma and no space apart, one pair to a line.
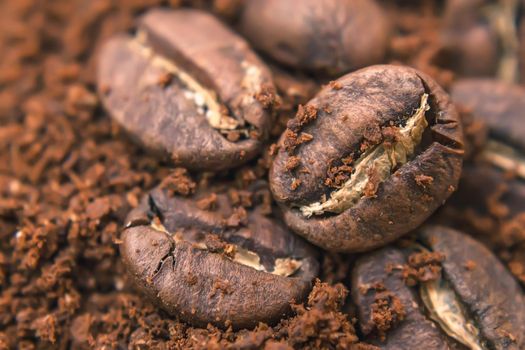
446,309
376,164
285,267
204,99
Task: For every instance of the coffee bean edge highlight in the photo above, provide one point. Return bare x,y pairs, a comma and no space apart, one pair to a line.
202,105
200,285
353,115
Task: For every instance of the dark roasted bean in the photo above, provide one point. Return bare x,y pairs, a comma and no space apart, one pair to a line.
323,36
188,87
206,261
465,298
374,154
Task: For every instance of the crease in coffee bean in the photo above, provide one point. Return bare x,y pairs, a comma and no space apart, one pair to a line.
154,210
136,222
252,81
205,100
285,267
452,144
445,308
163,260
381,159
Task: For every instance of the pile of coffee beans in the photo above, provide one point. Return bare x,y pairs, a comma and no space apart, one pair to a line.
274,174
366,161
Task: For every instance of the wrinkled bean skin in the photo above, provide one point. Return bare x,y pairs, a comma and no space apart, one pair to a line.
498,104
321,36
154,107
491,296
201,286
365,100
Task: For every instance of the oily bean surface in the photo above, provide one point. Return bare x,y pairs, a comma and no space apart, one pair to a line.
490,296
199,277
322,36
353,115
143,83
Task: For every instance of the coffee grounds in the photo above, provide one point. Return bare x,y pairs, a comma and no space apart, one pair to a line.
422,267
69,176
387,309
178,182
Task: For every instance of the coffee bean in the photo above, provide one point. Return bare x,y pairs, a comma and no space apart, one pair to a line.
481,37
465,298
188,87
206,261
491,196
500,105
470,39
490,204
323,36
378,151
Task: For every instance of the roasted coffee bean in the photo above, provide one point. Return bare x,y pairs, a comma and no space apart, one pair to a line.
463,297
500,105
481,37
490,201
331,36
490,204
471,41
368,159
206,261
188,87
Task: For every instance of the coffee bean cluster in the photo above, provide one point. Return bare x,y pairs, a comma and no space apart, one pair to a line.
362,167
